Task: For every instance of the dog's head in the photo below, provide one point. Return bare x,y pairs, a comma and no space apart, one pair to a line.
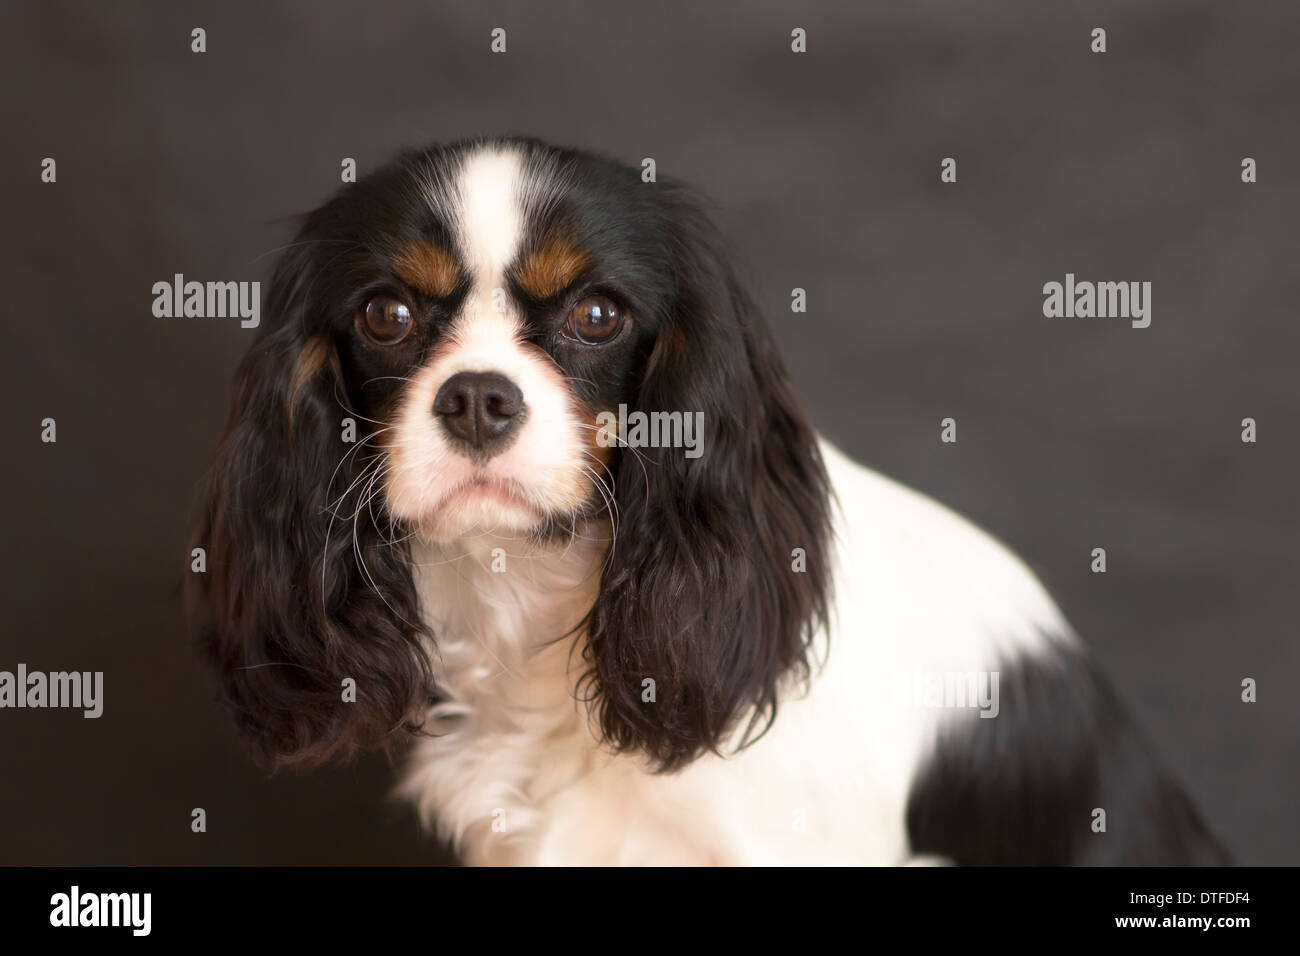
488,316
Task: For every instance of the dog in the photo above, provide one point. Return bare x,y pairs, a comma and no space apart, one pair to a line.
599,646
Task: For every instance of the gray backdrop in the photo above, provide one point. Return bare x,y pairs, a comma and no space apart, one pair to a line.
924,302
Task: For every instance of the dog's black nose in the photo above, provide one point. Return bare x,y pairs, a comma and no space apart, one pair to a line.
481,409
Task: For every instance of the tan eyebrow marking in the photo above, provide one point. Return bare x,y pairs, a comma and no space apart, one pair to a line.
428,268
551,267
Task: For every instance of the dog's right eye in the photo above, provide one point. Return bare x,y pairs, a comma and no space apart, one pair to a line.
385,320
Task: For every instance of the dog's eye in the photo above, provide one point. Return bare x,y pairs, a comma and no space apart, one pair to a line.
385,320
593,320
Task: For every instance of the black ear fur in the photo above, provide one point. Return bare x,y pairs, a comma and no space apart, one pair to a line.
700,593
286,611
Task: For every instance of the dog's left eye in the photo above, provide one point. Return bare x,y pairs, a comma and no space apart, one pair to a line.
594,320
385,320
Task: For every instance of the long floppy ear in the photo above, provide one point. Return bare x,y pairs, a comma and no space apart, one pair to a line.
703,593
303,589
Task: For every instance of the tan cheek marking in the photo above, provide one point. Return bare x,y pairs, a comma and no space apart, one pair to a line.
670,350
583,413
311,361
572,484
550,269
428,268
589,449
602,453
677,343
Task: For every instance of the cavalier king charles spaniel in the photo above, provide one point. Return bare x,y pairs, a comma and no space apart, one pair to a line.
602,646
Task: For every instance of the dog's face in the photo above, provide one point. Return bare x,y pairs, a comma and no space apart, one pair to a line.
474,309
500,298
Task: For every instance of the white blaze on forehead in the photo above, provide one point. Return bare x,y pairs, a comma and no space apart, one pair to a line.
546,463
490,221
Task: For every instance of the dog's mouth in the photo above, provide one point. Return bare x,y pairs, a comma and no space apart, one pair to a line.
485,488
481,503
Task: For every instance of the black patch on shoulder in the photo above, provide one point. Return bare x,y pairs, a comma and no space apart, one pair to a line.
1020,788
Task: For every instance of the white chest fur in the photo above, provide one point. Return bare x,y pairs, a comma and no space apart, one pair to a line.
512,773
